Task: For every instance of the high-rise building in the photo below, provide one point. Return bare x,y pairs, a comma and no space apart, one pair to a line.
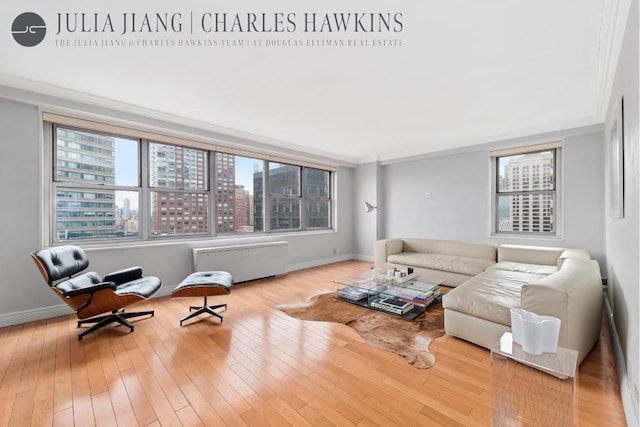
225,192
126,209
532,212
85,157
316,186
284,180
241,209
177,168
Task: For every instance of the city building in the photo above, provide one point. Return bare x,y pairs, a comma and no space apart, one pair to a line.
178,173
83,157
528,212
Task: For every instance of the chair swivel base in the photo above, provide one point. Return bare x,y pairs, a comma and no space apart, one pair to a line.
116,316
205,308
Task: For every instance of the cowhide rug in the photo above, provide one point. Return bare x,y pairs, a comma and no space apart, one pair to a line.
407,338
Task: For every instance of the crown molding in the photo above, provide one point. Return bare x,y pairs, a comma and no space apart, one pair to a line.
614,15
541,134
61,100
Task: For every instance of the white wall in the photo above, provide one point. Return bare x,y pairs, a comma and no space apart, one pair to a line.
366,226
442,197
448,196
21,286
622,234
24,295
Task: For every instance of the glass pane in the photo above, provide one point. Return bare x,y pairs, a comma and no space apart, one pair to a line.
317,213
526,172
94,214
176,167
285,214
316,183
239,194
95,158
526,213
284,180
179,213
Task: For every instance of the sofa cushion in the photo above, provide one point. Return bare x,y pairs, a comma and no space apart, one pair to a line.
450,247
452,263
490,295
529,254
524,268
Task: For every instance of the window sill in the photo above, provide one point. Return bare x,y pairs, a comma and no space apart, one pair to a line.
537,237
176,241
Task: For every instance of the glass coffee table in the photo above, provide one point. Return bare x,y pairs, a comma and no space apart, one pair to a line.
407,297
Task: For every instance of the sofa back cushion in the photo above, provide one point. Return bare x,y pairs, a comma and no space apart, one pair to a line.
529,254
451,247
452,263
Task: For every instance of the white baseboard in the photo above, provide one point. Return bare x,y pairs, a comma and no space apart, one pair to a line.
628,403
25,316
368,258
319,262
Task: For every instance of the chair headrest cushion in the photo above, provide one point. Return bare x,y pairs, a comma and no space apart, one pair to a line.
62,261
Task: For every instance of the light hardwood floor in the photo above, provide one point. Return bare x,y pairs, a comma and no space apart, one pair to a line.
258,367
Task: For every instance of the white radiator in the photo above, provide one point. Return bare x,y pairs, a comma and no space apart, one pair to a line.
244,262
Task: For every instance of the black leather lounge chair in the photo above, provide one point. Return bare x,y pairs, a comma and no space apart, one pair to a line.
91,295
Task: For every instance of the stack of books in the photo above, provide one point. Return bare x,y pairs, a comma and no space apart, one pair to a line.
393,305
428,297
352,293
421,294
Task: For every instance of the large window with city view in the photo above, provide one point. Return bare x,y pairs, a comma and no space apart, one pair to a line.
96,185
239,194
526,192
179,190
110,186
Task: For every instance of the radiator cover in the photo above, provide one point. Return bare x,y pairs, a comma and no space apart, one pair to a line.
244,262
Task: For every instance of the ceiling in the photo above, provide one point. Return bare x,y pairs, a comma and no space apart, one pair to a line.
466,72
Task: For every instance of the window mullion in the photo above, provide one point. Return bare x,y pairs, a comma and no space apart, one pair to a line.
145,197
266,195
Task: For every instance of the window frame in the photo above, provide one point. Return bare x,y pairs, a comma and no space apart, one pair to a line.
75,185
306,199
556,226
50,184
178,191
271,197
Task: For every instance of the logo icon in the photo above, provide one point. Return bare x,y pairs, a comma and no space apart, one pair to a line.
28,29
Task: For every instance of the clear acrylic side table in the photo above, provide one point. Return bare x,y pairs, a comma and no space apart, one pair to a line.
532,390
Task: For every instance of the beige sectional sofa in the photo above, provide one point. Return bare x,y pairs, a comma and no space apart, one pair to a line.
451,262
489,280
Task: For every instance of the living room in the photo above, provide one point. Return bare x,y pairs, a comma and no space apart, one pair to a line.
442,194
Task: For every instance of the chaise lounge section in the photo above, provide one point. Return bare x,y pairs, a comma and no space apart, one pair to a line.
563,283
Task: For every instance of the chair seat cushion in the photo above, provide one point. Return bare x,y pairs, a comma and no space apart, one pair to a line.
144,286
81,281
204,283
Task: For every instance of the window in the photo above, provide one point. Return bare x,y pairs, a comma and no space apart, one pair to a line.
179,182
298,195
316,185
96,185
526,196
113,183
284,196
239,194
